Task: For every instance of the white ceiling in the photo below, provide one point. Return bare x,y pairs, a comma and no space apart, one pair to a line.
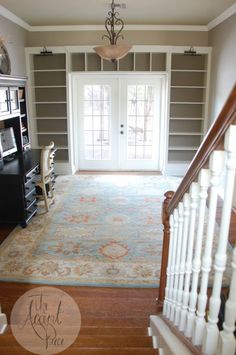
93,12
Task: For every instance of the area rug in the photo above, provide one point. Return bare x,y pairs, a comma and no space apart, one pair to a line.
103,230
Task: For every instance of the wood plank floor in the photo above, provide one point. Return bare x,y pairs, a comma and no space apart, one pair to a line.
100,307
103,310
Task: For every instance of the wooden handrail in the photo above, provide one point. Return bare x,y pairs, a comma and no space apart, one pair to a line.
212,140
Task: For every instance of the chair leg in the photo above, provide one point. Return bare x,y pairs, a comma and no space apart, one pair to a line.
51,189
45,197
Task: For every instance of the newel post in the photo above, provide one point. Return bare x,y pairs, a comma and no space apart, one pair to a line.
165,246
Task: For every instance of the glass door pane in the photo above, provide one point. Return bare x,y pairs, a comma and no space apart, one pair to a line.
15,107
4,101
97,116
141,108
140,122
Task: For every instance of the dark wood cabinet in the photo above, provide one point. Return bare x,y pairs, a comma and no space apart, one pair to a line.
17,188
17,175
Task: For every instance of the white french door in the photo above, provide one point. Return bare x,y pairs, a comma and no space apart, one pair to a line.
140,112
119,121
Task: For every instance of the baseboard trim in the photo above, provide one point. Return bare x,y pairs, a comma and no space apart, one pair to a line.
179,169
63,168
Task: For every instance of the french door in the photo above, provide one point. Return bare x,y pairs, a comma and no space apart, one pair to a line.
119,121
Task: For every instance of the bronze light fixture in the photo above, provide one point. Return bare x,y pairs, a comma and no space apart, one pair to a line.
191,52
114,25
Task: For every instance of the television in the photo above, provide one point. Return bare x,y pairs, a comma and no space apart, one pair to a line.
8,141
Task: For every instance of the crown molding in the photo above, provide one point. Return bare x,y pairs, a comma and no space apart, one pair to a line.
12,17
226,14
126,28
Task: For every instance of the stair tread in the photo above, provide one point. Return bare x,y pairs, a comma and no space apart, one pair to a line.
102,341
113,351
17,350
113,341
95,341
115,322
113,331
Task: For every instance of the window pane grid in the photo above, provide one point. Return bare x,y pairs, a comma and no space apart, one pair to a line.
140,121
97,105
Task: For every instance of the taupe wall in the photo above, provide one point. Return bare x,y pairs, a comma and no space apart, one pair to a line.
131,37
223,75
15,41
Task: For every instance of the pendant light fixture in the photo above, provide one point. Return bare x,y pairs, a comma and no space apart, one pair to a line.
114,25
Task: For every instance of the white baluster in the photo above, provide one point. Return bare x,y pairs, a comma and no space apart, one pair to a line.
211,331
204,181
173,258
3,322
186,214
177,263
167,289
194,192
216,165
227,343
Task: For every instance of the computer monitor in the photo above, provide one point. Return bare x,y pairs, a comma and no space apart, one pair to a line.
8,141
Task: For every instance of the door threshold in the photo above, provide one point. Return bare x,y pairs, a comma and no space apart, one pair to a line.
118,172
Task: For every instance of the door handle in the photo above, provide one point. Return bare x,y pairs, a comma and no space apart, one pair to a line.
122,125
121,132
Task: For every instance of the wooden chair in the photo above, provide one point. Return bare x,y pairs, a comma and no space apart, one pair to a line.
45,182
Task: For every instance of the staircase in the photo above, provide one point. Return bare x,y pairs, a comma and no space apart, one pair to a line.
196,244
113,320
96,341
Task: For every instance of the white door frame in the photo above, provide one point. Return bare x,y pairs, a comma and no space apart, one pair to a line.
163,124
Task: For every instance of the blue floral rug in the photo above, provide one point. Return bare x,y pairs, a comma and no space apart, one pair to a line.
103,230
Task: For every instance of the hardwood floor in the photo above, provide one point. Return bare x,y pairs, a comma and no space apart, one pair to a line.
112,312
99,306
105,312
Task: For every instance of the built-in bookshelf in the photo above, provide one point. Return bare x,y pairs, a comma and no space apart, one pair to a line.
187,106
146,61
187,94
48,81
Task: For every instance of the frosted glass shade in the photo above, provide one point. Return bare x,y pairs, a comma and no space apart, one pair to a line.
112,51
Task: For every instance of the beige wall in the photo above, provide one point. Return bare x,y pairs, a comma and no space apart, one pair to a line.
131,37
223,75
15,40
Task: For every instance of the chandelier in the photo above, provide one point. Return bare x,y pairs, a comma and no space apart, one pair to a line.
114,25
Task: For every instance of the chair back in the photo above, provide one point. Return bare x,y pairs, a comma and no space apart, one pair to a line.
46,160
